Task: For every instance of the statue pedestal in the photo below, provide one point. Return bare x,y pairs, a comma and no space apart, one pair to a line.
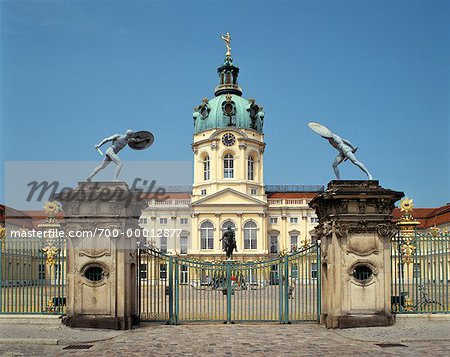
101,219
355,231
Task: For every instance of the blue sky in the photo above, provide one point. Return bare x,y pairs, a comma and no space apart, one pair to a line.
375,72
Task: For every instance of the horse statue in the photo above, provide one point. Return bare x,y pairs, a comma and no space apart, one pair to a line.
230,243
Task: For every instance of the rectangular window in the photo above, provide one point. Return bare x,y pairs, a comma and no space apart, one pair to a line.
294,242
163,271
163,221
183,244
314,270
294,271
143,220
273,244
314,220
184,274
203,192
41,274
163,245
294,220
183,221
273,220
274,275
253,191
143,271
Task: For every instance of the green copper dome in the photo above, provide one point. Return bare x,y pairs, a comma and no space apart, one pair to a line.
228,108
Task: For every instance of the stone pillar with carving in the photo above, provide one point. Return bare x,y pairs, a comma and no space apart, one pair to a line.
101,226
355,230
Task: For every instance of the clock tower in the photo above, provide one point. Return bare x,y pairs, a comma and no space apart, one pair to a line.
228,188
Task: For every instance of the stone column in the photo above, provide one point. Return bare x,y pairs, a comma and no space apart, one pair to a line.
355,231
101,221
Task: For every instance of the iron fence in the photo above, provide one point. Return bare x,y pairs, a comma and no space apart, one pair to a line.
32,276
176,289
420,273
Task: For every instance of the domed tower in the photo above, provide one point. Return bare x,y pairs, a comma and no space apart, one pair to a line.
228,148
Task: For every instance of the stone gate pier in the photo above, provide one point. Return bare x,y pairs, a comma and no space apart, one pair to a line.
101,224
355,231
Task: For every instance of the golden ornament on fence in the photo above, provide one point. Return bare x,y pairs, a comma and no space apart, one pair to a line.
50,255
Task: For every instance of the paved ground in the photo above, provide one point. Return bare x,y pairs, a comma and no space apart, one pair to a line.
418,337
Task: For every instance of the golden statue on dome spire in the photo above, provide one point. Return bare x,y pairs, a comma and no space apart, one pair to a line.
227,39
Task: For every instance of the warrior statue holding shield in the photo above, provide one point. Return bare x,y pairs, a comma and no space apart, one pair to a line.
345,148
136,140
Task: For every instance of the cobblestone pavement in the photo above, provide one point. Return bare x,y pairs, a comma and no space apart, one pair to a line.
258,340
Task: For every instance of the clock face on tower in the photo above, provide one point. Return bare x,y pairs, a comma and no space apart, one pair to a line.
228,139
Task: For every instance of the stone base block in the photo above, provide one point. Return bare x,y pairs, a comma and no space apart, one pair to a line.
107,322
351,321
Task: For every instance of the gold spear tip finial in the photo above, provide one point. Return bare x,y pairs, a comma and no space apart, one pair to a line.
227,39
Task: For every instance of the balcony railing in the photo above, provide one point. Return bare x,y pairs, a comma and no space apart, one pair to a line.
288,202
169,202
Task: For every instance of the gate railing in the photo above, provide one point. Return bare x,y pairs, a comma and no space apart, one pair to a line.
32,276
177,289
421,272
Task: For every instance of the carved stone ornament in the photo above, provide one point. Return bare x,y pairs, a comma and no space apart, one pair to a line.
95,209
74,208
385,230
342,208
115,208
362,225
341,229
324,229
362,207
94,253
363,247
382,206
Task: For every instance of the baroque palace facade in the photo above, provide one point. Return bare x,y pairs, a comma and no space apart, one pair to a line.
228,188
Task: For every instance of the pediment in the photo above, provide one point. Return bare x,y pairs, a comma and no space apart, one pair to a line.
228,197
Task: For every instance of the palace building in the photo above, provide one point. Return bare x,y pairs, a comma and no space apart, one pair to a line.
229,189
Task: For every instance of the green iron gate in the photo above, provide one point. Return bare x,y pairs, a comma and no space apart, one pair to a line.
421,272
32,275
177,289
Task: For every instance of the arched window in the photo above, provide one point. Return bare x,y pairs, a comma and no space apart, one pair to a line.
250,235
206,168
229,78
207,235
250,168
228,166
225,226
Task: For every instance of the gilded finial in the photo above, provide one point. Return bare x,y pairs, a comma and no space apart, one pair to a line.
227,39
51,209
406,205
